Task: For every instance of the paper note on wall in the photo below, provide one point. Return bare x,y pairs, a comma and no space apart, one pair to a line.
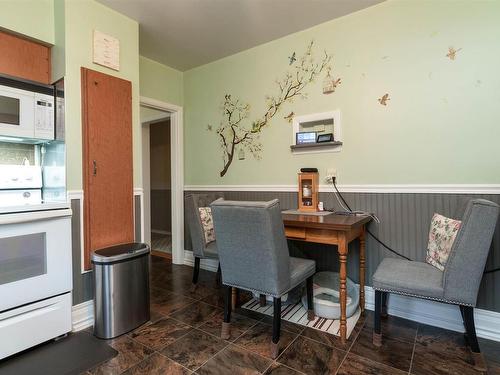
106,50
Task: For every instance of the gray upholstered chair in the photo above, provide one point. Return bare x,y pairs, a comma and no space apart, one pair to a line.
253,254
458,284
201,250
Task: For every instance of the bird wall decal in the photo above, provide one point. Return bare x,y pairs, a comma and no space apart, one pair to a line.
383,100
289,117
452,53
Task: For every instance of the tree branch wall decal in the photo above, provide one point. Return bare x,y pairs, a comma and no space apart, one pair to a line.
236,131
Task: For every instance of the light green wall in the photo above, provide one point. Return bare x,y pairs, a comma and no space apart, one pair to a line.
58,51
440,125
33,18
82,17
69,26
160,82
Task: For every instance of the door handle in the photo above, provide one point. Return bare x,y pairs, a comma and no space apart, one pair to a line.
94,163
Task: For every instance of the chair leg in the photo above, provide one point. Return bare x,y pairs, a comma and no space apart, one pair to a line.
470,328
226,324
196,273
463,320
310,298
218,278
262,300
383,310
276,327
377,333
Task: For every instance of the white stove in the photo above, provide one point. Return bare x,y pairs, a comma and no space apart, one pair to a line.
22,188
20,177
16,198
35,261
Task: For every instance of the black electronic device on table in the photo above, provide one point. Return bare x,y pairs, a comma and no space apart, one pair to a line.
309,170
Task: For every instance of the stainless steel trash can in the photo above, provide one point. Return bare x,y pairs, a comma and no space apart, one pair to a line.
121,289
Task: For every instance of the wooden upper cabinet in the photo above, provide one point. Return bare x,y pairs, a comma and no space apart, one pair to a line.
24,58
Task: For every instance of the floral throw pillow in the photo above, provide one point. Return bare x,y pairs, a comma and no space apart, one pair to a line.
207,224
441,237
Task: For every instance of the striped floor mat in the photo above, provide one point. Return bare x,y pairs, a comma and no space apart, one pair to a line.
161,242
298,314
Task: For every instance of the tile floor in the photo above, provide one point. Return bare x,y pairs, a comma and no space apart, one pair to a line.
183,337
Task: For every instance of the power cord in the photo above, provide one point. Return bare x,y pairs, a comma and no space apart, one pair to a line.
491,271
343,203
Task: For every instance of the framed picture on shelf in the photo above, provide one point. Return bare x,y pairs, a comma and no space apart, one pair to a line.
325,138
305,138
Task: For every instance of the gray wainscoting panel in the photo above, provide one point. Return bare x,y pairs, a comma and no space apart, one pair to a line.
82,282
405,220
137,218
161,210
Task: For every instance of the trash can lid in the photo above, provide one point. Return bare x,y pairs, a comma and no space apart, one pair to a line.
119,252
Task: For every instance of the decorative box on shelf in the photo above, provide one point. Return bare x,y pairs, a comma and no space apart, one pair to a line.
326,125
308,191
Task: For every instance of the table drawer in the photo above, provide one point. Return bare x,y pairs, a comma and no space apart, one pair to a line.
321,236
293,232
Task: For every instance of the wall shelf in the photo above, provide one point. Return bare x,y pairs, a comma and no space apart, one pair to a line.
315,146
322,123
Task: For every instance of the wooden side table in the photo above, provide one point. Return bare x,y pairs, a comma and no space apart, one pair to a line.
336,230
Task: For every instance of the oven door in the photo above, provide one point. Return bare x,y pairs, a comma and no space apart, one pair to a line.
35,256
17,112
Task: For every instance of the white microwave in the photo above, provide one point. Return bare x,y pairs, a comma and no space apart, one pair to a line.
26,109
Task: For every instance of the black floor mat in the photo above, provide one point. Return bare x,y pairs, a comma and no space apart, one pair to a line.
74,354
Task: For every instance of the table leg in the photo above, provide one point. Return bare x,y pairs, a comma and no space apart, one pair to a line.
343,288
362,271
234,298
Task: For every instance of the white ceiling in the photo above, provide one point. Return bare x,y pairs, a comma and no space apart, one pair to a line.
184,34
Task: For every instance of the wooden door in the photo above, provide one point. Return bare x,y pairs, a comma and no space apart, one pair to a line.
107,161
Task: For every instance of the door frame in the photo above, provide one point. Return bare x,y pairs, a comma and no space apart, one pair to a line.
145,193
177,172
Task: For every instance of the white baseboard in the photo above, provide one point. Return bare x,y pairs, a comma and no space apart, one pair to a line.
423,311
82,315
438,314
206,264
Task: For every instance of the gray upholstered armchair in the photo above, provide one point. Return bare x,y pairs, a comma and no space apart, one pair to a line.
253,254
201,250
458,284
